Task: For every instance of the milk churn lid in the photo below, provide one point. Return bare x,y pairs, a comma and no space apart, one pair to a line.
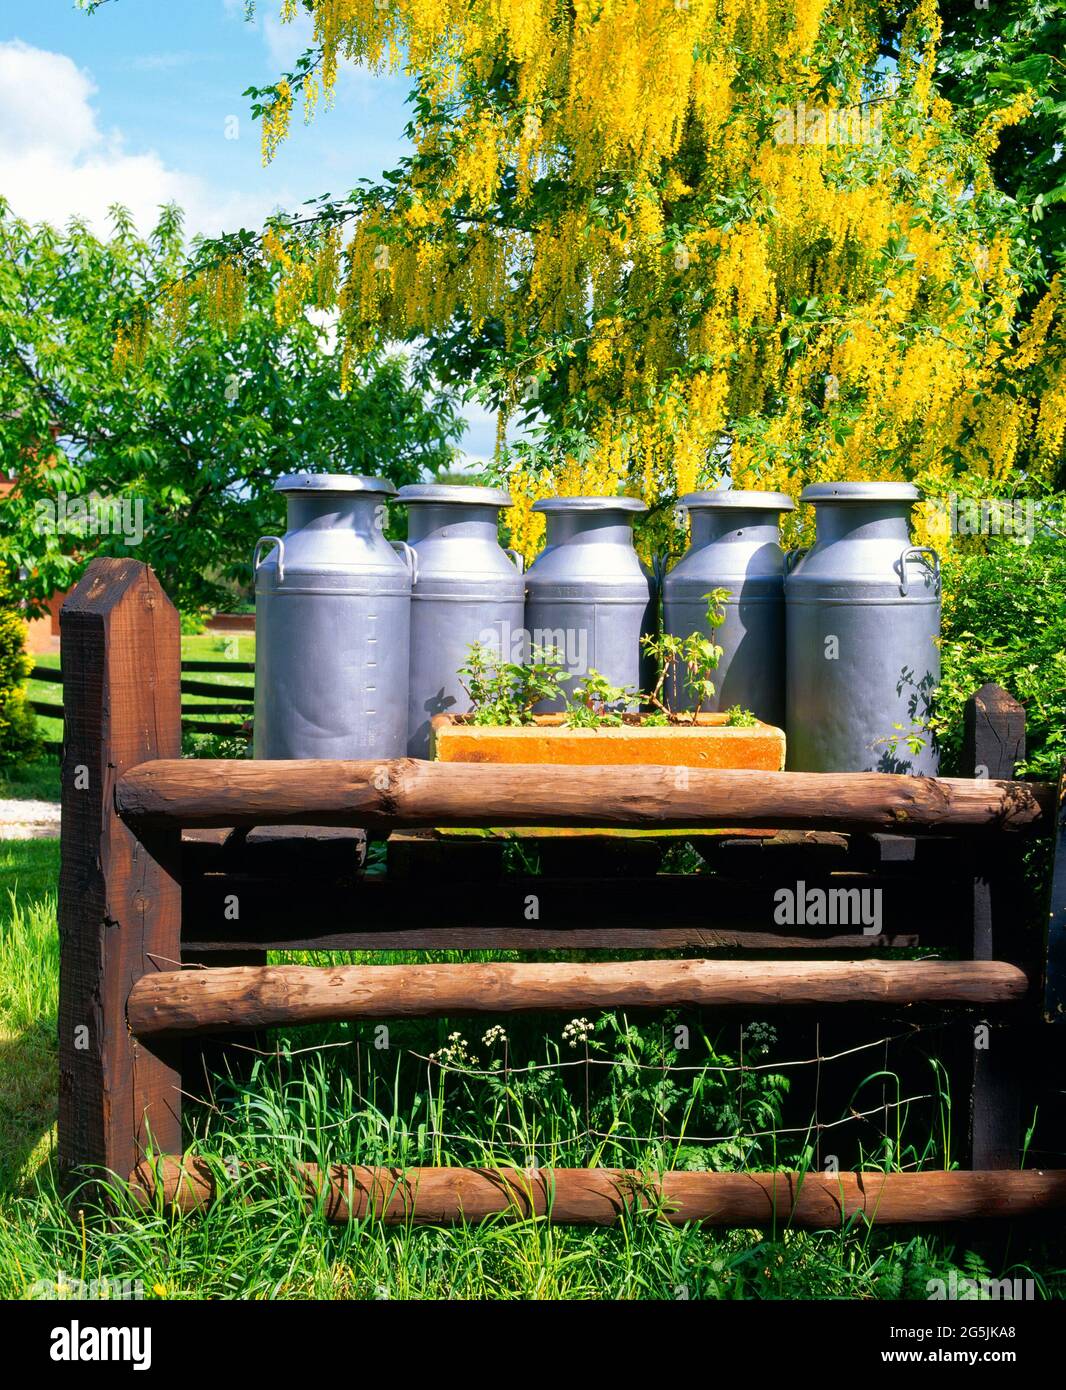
860,492
333,482
456,492
745,499
590,504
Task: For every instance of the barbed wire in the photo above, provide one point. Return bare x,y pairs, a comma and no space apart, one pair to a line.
732,1137
633,1065
513,1137
526,1068
814,1126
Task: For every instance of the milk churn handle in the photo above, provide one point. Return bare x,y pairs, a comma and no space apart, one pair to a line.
916,552
409,555
793,556
274,540
518,558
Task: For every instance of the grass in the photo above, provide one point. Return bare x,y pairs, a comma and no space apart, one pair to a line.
216,646
334,1093
36,781
29,990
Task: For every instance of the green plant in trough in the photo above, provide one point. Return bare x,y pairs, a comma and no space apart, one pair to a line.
685,665
504,692
596,703
737,718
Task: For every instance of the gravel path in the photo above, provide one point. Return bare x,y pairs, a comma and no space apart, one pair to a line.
29,820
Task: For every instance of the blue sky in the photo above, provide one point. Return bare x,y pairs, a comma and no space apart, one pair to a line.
133,104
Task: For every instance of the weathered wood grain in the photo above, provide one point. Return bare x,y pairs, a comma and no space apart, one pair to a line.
993,744
407,793
119,900
602,1196
202,1000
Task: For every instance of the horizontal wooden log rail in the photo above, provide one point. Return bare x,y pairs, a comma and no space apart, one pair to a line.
281,853
196,726
50,674
408,793
46,708
221,668
54,675
602,1196
227,692
210,726
219,999
316,911
222,707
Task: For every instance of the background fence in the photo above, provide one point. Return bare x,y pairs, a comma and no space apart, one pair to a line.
234,700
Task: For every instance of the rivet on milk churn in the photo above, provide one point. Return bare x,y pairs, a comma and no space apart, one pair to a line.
333,612
466,590
862,620
587,593
734,546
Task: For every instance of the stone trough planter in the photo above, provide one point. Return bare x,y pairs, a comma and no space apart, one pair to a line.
709,743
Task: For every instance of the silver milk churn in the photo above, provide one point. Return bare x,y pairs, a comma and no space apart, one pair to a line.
333,614
466,590
587,593
734,546
862,615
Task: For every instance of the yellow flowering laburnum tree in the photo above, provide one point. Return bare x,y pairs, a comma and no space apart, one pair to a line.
688,241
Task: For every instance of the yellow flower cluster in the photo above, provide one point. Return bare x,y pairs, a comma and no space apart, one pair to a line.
131,344
276,120
768,297
222,292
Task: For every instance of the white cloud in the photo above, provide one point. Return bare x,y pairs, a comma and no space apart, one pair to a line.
57,162
44,102
286,41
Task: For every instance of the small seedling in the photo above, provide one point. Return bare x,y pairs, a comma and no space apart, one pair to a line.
685,664
596,703
737,718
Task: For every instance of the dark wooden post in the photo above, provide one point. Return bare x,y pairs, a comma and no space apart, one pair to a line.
119,898
993,744
1055,940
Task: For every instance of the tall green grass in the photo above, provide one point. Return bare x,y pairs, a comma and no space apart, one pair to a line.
29,989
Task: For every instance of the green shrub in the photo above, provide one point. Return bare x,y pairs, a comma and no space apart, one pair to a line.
1005,622
193,622
19,740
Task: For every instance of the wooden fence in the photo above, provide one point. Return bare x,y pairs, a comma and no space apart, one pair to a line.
156,849
235,700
